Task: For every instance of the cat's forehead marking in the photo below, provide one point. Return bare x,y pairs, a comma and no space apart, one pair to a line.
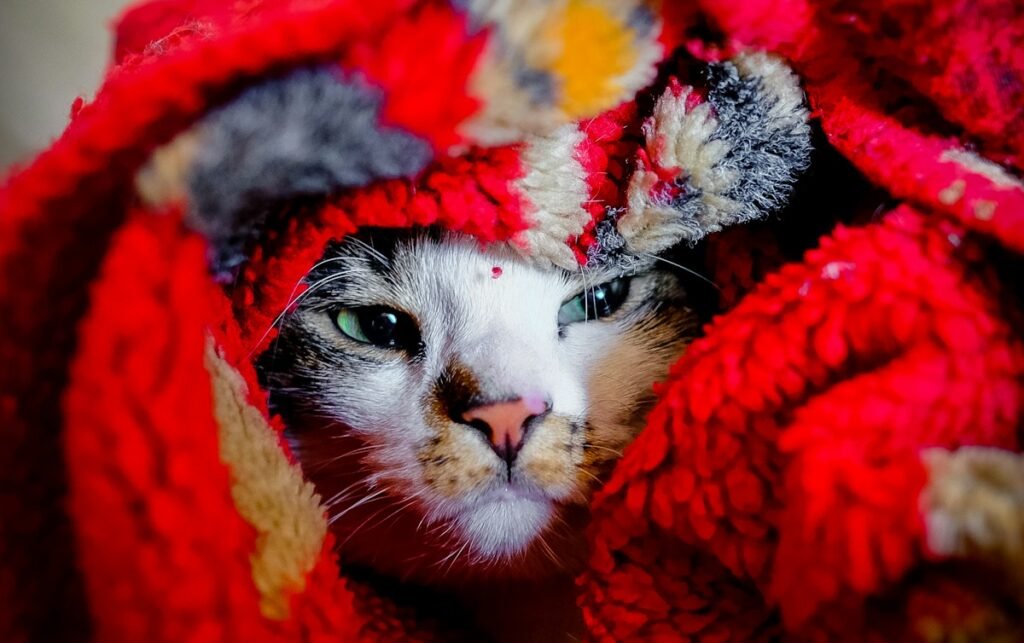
387,262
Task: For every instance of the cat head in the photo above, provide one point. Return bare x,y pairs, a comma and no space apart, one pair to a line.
456,405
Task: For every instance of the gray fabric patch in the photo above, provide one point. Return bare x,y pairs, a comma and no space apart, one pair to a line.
769,159
765,153
609,250
691,208
538,84
642,20
309,134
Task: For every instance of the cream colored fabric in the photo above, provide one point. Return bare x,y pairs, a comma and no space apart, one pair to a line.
268,490
974,505
556,187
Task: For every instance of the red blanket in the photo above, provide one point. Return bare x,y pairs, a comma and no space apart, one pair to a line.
837,457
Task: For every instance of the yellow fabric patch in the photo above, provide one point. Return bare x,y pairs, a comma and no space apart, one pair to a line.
551,62
597,49
269,492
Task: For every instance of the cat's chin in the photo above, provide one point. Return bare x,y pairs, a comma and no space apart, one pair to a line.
502,524
500,536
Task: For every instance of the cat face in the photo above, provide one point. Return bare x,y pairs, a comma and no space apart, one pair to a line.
455,406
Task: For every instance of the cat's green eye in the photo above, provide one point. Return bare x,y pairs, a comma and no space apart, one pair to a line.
594,303
379,326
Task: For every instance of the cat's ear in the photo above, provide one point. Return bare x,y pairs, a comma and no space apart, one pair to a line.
627,185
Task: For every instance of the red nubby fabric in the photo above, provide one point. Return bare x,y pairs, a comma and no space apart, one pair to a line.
776,489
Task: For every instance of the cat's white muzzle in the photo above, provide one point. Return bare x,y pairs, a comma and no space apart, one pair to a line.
503,522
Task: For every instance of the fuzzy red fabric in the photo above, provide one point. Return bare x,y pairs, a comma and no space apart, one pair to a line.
144,526
776,489
773,452
58,216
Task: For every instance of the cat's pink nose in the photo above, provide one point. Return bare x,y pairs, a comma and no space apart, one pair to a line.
505,423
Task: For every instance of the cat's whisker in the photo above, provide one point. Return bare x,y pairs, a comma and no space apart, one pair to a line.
317,266
342,495
363,524
355,531
590,475
426,516
546,548
293,304
346,493
314,287
447,533
316,465
369,248
561,521
366,499
446,558
458,553
399,508
295,301
326,440
588,445
324,262
683,268
586,289
327,503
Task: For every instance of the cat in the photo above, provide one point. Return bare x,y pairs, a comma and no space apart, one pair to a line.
456,405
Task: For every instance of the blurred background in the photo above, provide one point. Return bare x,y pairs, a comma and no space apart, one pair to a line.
50,52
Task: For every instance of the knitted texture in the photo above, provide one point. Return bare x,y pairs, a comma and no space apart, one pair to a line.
805,473
788,473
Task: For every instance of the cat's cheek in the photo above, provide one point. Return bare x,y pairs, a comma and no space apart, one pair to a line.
455,462
550,459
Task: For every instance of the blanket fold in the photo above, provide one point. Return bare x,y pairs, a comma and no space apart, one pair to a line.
838,457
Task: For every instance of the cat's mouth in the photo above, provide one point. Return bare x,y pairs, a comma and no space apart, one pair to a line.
505,520
512,491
